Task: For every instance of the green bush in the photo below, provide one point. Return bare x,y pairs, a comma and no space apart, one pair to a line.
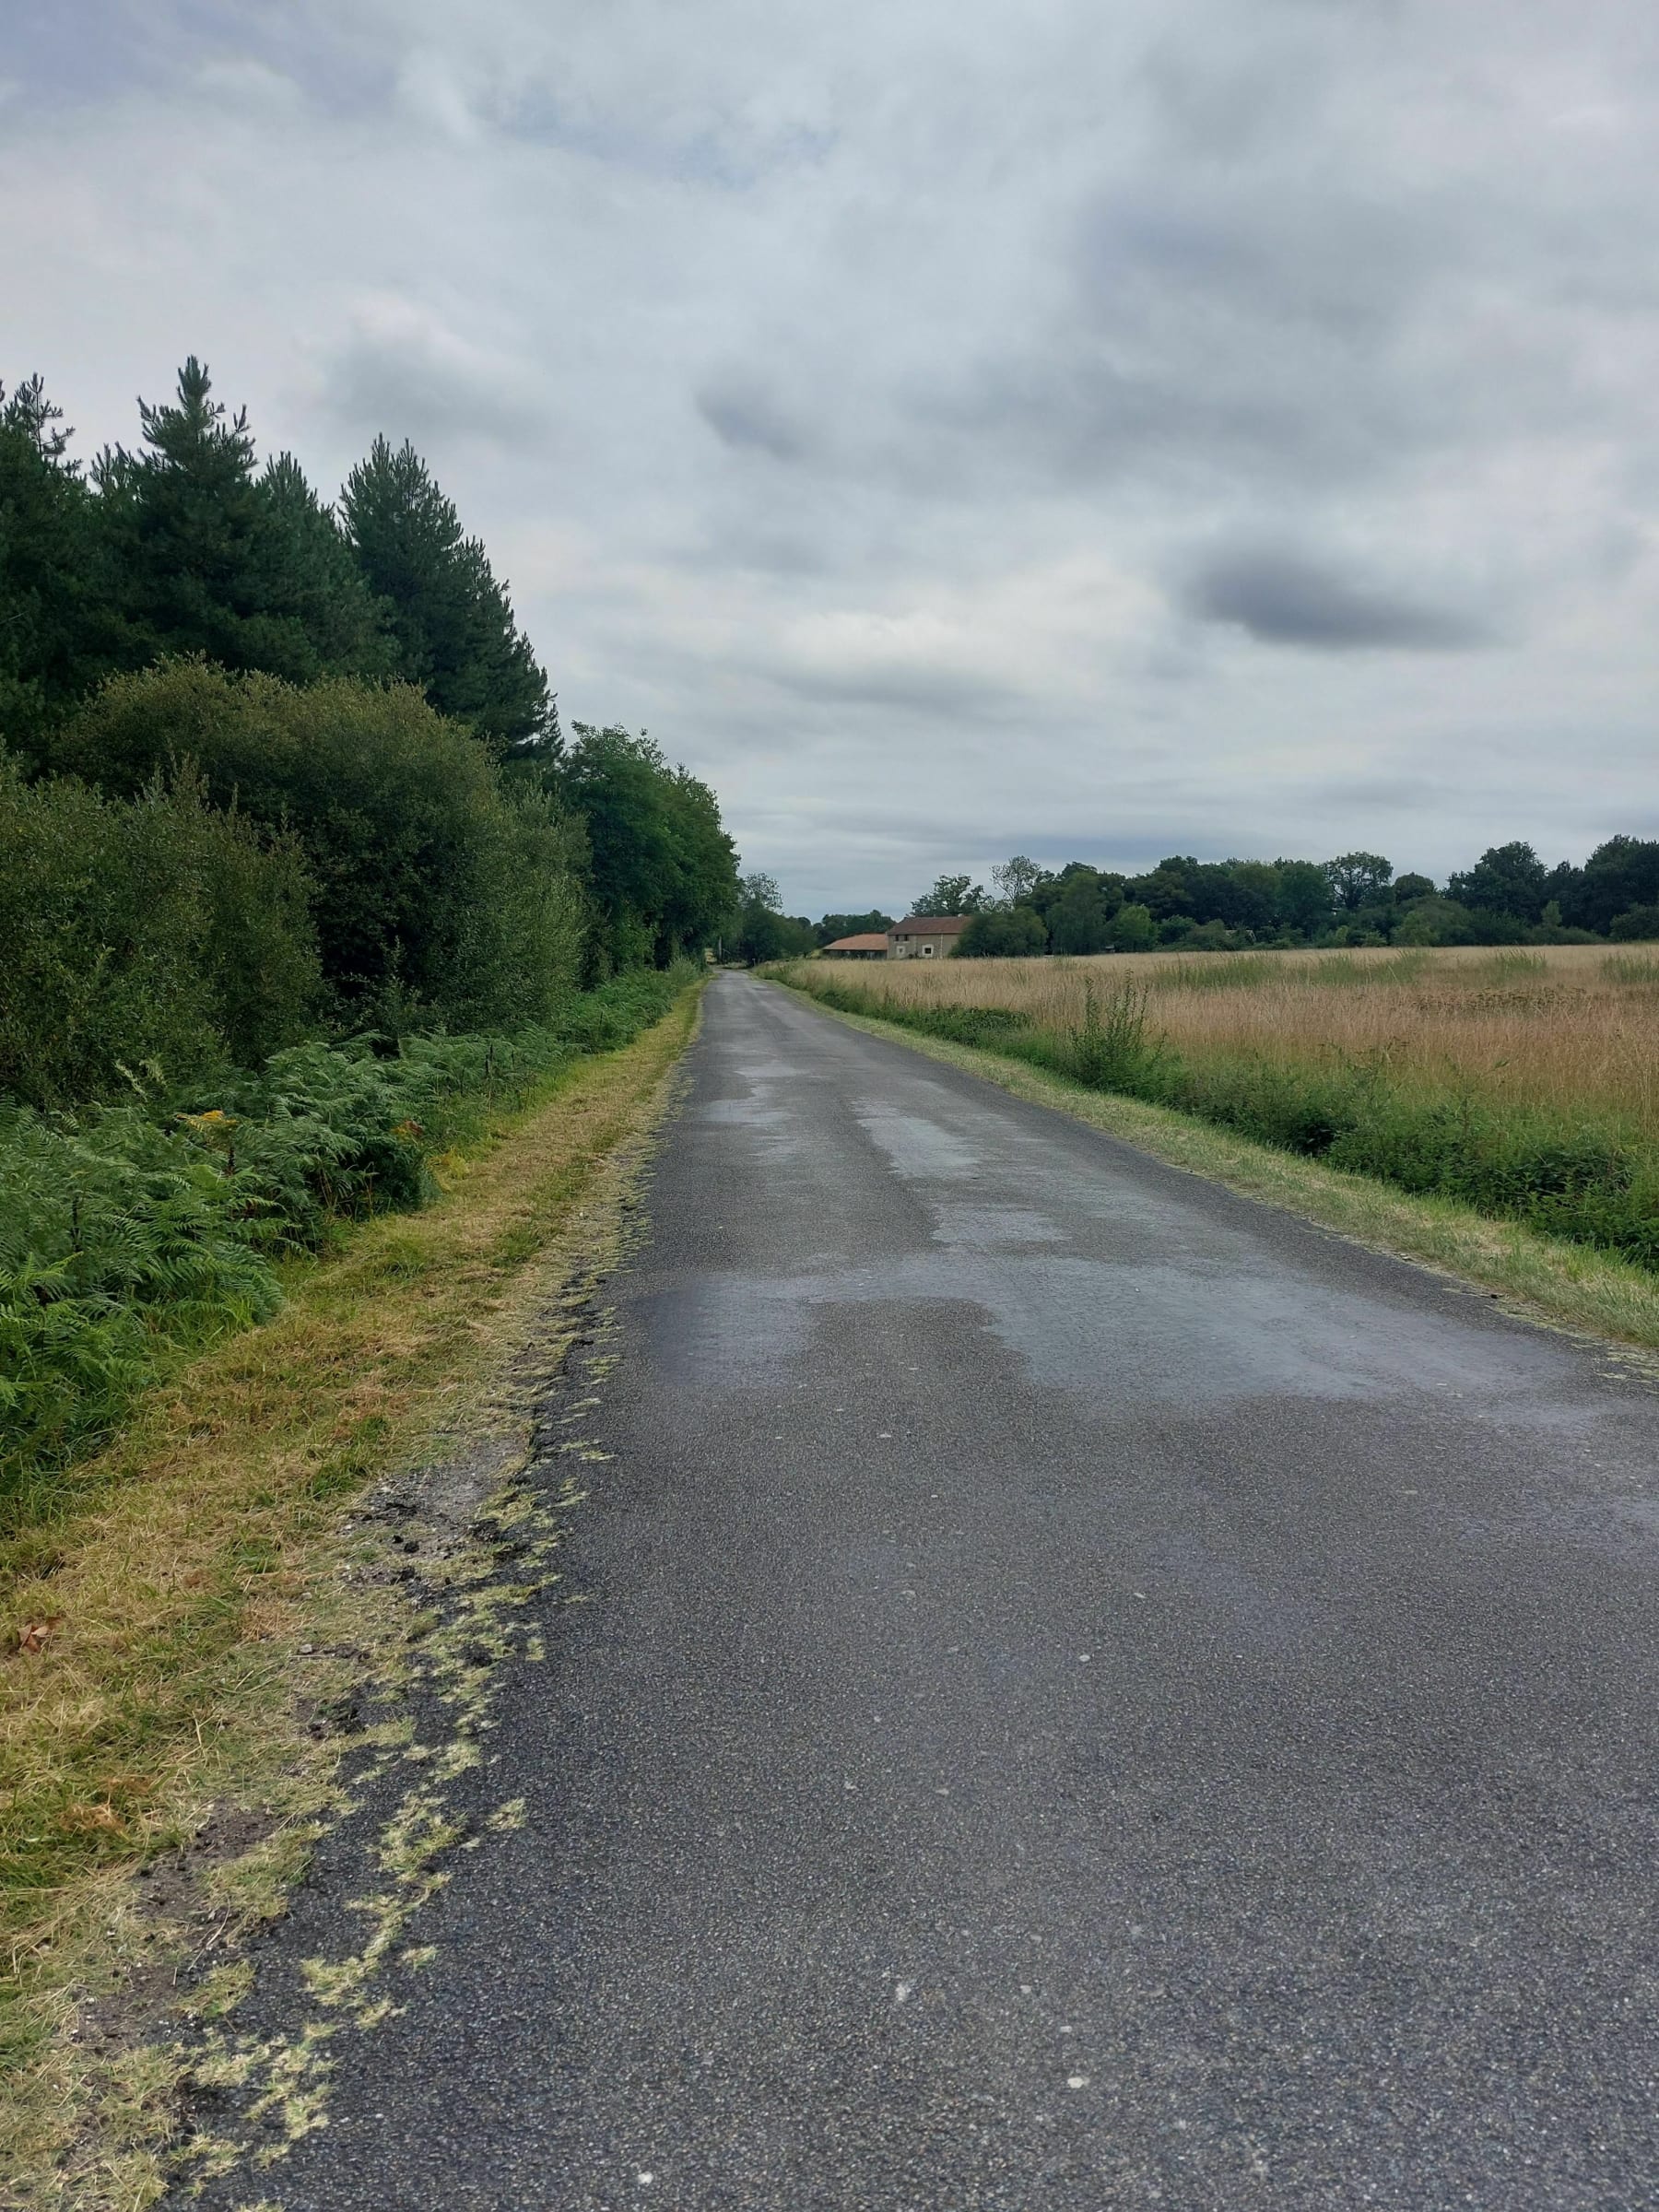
440,897
151,939
1132,929
1006,933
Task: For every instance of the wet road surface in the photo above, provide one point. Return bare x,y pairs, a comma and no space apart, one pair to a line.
1091,1693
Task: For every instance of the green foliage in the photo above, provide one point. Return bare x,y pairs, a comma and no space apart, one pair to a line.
1627,968
118,1241
1113,1048
1506,879
204,556
1620,874
155,938
663,874
952,895
1017,878
1357,878
453,624
1507,897
1436,921
130,1235
1637,923
1002,933
1131,929
439,897
1188,936
833,927
1081,910
57,632
1302,903
761,933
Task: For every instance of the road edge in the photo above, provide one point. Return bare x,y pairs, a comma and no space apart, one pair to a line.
147,1954
1569,1289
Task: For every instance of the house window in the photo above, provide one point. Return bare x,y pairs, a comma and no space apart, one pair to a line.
927,952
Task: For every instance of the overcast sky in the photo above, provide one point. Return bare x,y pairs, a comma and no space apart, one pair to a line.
1213,425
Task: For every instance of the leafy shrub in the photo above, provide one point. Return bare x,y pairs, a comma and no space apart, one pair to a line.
1003,933
438,895
145,935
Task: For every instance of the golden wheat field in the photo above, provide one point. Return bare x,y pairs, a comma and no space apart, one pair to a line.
1573,1027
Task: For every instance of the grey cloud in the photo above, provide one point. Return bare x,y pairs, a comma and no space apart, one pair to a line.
942,693
1229,334
1288,598
744,416
1268,253
413,380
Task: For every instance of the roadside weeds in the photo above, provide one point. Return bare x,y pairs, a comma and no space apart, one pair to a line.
192,1647
1545,1279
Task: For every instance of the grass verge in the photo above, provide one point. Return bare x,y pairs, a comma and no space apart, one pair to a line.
1565,1285
180,1634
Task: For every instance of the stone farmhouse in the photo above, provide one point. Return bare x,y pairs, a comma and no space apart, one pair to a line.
917,937
926,936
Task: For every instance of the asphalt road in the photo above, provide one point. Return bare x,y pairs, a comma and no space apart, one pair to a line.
1092,1693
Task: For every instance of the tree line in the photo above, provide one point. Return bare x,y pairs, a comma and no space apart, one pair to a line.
1508,897
273,767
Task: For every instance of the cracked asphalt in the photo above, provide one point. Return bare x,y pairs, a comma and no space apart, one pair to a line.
1088,1692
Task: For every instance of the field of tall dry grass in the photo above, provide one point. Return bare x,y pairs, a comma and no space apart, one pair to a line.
1572,1028
1523,1082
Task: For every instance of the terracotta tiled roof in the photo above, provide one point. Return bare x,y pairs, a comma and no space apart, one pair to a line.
870,941
932,925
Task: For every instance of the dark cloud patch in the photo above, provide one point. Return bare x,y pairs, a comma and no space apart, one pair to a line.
1238,332
744,416
1286,599
1265,252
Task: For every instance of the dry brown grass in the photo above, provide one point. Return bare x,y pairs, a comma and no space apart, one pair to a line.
202,1561
1569,1027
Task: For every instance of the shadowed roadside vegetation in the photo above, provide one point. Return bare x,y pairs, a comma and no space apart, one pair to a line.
128,1240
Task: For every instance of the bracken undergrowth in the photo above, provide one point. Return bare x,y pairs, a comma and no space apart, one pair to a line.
132,1235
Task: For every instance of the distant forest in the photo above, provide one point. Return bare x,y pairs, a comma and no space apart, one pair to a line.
275,769
1508,897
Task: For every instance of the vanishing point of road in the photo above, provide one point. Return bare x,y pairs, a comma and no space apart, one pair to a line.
1091,1693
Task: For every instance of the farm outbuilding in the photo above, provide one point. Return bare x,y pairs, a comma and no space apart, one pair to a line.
869,944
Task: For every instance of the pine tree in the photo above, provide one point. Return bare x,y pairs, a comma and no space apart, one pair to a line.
57,635
211,558
314,579
452,623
